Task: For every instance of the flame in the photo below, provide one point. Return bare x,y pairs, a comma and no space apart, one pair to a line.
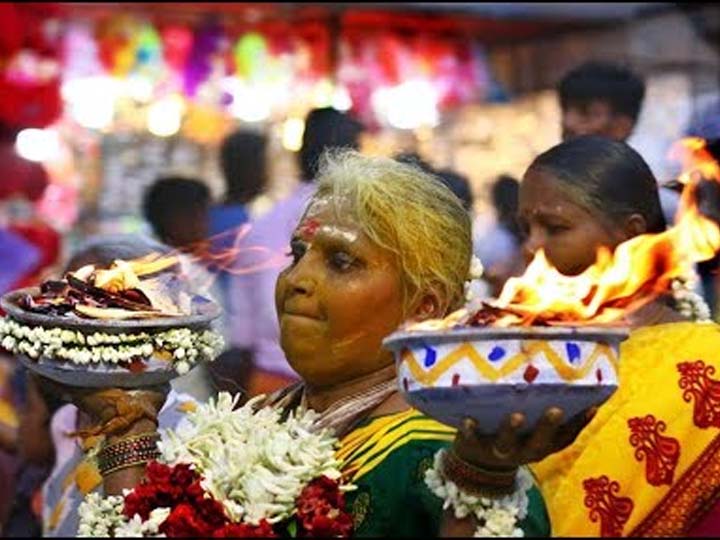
695,159
637,272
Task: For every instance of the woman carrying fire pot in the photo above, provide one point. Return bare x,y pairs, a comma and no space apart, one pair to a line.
647,463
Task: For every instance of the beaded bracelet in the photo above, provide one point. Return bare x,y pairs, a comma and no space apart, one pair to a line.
475,479
128,452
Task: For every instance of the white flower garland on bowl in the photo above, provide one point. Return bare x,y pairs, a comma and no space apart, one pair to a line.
496,516
252,461
687,301
183,346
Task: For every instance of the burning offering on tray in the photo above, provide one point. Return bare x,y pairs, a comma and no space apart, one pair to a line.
133,323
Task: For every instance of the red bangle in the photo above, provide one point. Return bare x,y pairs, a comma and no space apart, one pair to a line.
476,480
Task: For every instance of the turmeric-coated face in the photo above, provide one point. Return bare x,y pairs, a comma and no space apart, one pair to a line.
338,299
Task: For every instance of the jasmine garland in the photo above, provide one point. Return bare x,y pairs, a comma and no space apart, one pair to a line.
182,346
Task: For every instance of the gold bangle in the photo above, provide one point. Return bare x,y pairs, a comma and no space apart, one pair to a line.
133,450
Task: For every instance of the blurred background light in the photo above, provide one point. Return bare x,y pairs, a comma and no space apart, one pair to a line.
292,133
165,116
38,144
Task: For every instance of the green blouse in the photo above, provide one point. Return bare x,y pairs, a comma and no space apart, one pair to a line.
386,458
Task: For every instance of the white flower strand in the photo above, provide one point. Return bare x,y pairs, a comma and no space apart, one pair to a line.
137,528
100,517
472,285
687,301
252,463
186,346
497,517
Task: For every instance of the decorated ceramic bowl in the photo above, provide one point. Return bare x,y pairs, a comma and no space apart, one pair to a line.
88,353
488,373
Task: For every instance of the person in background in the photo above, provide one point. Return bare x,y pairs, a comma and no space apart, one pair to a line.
256,363
28,249
602,98
59,457
177,209
644,465
599,98
244,165
459,185
499,247
456,182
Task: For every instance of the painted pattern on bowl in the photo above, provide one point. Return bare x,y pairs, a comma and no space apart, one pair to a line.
490,373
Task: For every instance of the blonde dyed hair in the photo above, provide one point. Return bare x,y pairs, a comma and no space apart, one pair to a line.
411,214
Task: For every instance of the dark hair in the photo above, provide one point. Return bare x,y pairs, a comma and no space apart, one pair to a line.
324,129
619,87
608,177
459,185
244,165
412,158
505,196
172,197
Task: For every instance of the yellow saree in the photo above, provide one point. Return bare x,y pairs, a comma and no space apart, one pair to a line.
648,464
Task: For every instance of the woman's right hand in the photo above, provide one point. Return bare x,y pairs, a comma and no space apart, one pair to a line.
508,449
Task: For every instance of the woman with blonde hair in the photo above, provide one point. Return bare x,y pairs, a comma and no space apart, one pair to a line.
380,243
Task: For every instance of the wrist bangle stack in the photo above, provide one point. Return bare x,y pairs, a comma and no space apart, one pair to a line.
474,479
128,452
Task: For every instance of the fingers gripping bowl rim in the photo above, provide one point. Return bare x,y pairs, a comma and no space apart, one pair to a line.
488,372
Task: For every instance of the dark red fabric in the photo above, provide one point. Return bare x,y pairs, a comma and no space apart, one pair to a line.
20,177
709,525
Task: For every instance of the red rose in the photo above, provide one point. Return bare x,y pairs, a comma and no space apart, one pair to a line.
243,530
158,473
320,510
211,511
335,523
183,475
183,521
195,490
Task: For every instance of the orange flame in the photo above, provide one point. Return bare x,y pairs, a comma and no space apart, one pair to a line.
206,262
637,272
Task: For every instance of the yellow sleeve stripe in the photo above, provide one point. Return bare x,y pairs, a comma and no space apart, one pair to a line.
384,431
419,427
370,464
371,432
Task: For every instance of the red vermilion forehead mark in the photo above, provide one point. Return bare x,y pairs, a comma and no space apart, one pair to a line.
308,228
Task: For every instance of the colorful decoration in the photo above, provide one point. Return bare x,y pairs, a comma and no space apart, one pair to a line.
206,43
118,44
250,54
282,68
176,45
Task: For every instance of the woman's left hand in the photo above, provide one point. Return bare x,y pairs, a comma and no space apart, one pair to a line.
507,449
